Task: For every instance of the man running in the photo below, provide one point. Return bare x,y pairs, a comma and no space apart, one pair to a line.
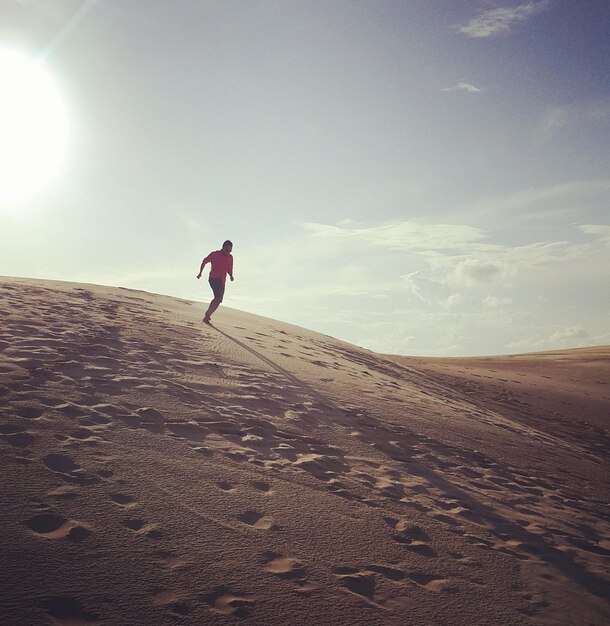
222,264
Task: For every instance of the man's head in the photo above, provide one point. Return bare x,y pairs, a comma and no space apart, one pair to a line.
227,246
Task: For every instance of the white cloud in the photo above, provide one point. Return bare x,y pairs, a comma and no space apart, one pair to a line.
600,230
478,271
454,301
446,259
424,289
475,266
401,235
500,21
438,289
495,302
558,117
463,87
567,337
569,200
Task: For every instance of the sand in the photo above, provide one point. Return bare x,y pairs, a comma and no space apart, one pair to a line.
156,470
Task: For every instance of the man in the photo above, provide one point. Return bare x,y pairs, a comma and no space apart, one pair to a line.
222,264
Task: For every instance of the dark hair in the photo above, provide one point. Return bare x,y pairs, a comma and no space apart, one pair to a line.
227,242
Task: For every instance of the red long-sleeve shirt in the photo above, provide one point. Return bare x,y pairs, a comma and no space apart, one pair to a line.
222,264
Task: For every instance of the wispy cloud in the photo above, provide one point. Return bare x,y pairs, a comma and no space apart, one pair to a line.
556,118
495,302
602,230
468,289
467,87
555,202
478,271
566,337
401,235
424,289
442,288
599,232
500,21
458,252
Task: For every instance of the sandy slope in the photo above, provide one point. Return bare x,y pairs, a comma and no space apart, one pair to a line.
158,471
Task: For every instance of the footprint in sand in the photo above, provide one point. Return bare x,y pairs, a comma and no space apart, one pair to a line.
16,435
305,588
432,583
78,533
29,412
66,492
52,526
226,602
49,524
68,469
99,421
283,566
140,527
172,600
69,610
257,520
289,568
104,412
412,537
363,583
170,559
60,463
203,450
122,499
83,433
70,410
388,572
262,486
134,524
419,547
187,430
360,583
225,486
444,518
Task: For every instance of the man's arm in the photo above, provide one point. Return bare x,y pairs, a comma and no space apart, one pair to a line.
231,269
206,260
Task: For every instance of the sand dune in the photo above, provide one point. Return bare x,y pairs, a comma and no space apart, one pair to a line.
156,470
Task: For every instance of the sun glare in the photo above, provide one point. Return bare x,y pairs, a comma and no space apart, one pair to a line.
33,128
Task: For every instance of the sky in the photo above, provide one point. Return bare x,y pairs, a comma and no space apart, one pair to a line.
419,177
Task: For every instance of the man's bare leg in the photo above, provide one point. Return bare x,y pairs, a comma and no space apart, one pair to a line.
213,306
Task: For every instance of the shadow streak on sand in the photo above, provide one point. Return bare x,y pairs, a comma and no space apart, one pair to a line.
501,527
278,368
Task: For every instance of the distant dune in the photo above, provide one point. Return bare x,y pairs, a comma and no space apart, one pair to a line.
156,470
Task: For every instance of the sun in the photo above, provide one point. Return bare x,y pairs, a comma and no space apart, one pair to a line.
33,128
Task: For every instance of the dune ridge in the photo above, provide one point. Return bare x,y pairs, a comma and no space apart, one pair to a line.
157,470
